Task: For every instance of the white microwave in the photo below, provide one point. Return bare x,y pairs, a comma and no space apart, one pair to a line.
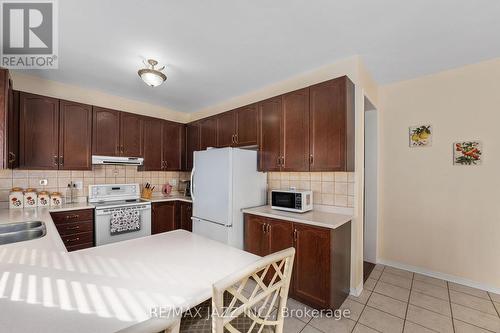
292,200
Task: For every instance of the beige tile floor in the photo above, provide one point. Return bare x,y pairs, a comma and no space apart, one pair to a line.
395,300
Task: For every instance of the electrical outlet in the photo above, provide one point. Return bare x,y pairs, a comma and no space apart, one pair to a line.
43,182
173,182
78,184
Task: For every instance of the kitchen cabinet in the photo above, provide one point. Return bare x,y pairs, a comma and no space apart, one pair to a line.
238,128
295,131
192,144
9,122
208,133
226,129
117,133
131,134
153,154
321,272
76,228
332,125
185,214
172,146
271,115
164,217
39,132
106,132
75,136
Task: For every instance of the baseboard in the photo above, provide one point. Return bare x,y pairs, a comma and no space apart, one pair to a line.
356,291
439,275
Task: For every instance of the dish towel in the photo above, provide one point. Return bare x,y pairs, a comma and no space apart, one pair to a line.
124,220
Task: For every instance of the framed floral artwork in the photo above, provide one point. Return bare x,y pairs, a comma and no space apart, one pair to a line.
467,153
420,136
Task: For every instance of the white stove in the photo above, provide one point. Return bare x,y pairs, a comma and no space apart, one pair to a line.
120,214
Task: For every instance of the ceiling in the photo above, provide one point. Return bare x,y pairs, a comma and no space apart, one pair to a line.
215,50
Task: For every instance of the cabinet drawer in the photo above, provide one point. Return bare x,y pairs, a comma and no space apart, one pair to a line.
78,239
79,247
73,216
75,227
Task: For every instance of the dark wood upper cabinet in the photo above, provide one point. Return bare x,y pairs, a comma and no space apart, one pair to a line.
164,217
12,155
106,132
270,114
192,143
75,136
208,133
226,129
332,126
295,133
153,155
247,125
172,146
39,132
131,135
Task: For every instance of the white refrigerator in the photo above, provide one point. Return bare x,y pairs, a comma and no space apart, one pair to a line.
223,181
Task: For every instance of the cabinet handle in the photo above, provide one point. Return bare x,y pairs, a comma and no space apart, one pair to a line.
74,216
73,228
268,227
278,161
311,159
12,157
73,240
282,161
61,160
264,228
236,138
56,163
294,234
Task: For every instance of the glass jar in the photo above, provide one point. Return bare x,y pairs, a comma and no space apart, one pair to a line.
30,198
43,199
16,198
55,199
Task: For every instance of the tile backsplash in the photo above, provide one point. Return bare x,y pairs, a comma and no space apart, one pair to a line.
329,188
101,174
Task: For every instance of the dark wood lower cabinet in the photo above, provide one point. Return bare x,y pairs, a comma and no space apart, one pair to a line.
171,215
76,228
321,272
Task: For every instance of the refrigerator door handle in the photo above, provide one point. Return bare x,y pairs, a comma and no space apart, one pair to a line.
191,185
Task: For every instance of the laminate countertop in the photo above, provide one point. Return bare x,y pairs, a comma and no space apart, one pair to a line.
317,217
108,288
172,197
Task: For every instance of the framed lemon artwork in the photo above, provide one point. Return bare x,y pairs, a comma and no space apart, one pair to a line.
420,136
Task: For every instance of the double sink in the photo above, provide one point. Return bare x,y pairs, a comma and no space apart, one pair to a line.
21,231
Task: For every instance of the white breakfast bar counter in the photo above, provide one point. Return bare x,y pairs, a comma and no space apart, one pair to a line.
43,288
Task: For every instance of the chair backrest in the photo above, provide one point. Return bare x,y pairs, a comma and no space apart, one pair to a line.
237,295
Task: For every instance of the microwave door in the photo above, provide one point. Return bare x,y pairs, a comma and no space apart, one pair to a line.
283,200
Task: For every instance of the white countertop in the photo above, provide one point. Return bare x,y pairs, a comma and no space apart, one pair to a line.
315,217
172,197
43,288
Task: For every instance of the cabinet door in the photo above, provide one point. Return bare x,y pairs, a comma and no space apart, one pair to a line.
152,145
295,137
225,129
131,135
256,237
192,143
39,132
247,125
172,146
164,217
186,212
75,136
105,132
270,113
13,129
328,120
312,264
280,238
208,133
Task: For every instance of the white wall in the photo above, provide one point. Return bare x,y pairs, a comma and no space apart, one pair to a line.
371,186
435,216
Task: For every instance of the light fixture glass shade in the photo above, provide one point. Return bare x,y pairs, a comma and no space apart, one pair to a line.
151,76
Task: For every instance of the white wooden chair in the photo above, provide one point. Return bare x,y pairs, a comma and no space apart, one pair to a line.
229,300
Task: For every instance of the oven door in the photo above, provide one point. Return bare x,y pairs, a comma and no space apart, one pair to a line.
122,223
284,201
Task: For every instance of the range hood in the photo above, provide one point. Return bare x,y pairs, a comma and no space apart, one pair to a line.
114,160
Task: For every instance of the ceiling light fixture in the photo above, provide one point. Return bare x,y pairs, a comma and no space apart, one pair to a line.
151,76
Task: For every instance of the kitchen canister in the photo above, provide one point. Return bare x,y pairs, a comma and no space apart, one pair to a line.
16,198
43,199
55,199
30,198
